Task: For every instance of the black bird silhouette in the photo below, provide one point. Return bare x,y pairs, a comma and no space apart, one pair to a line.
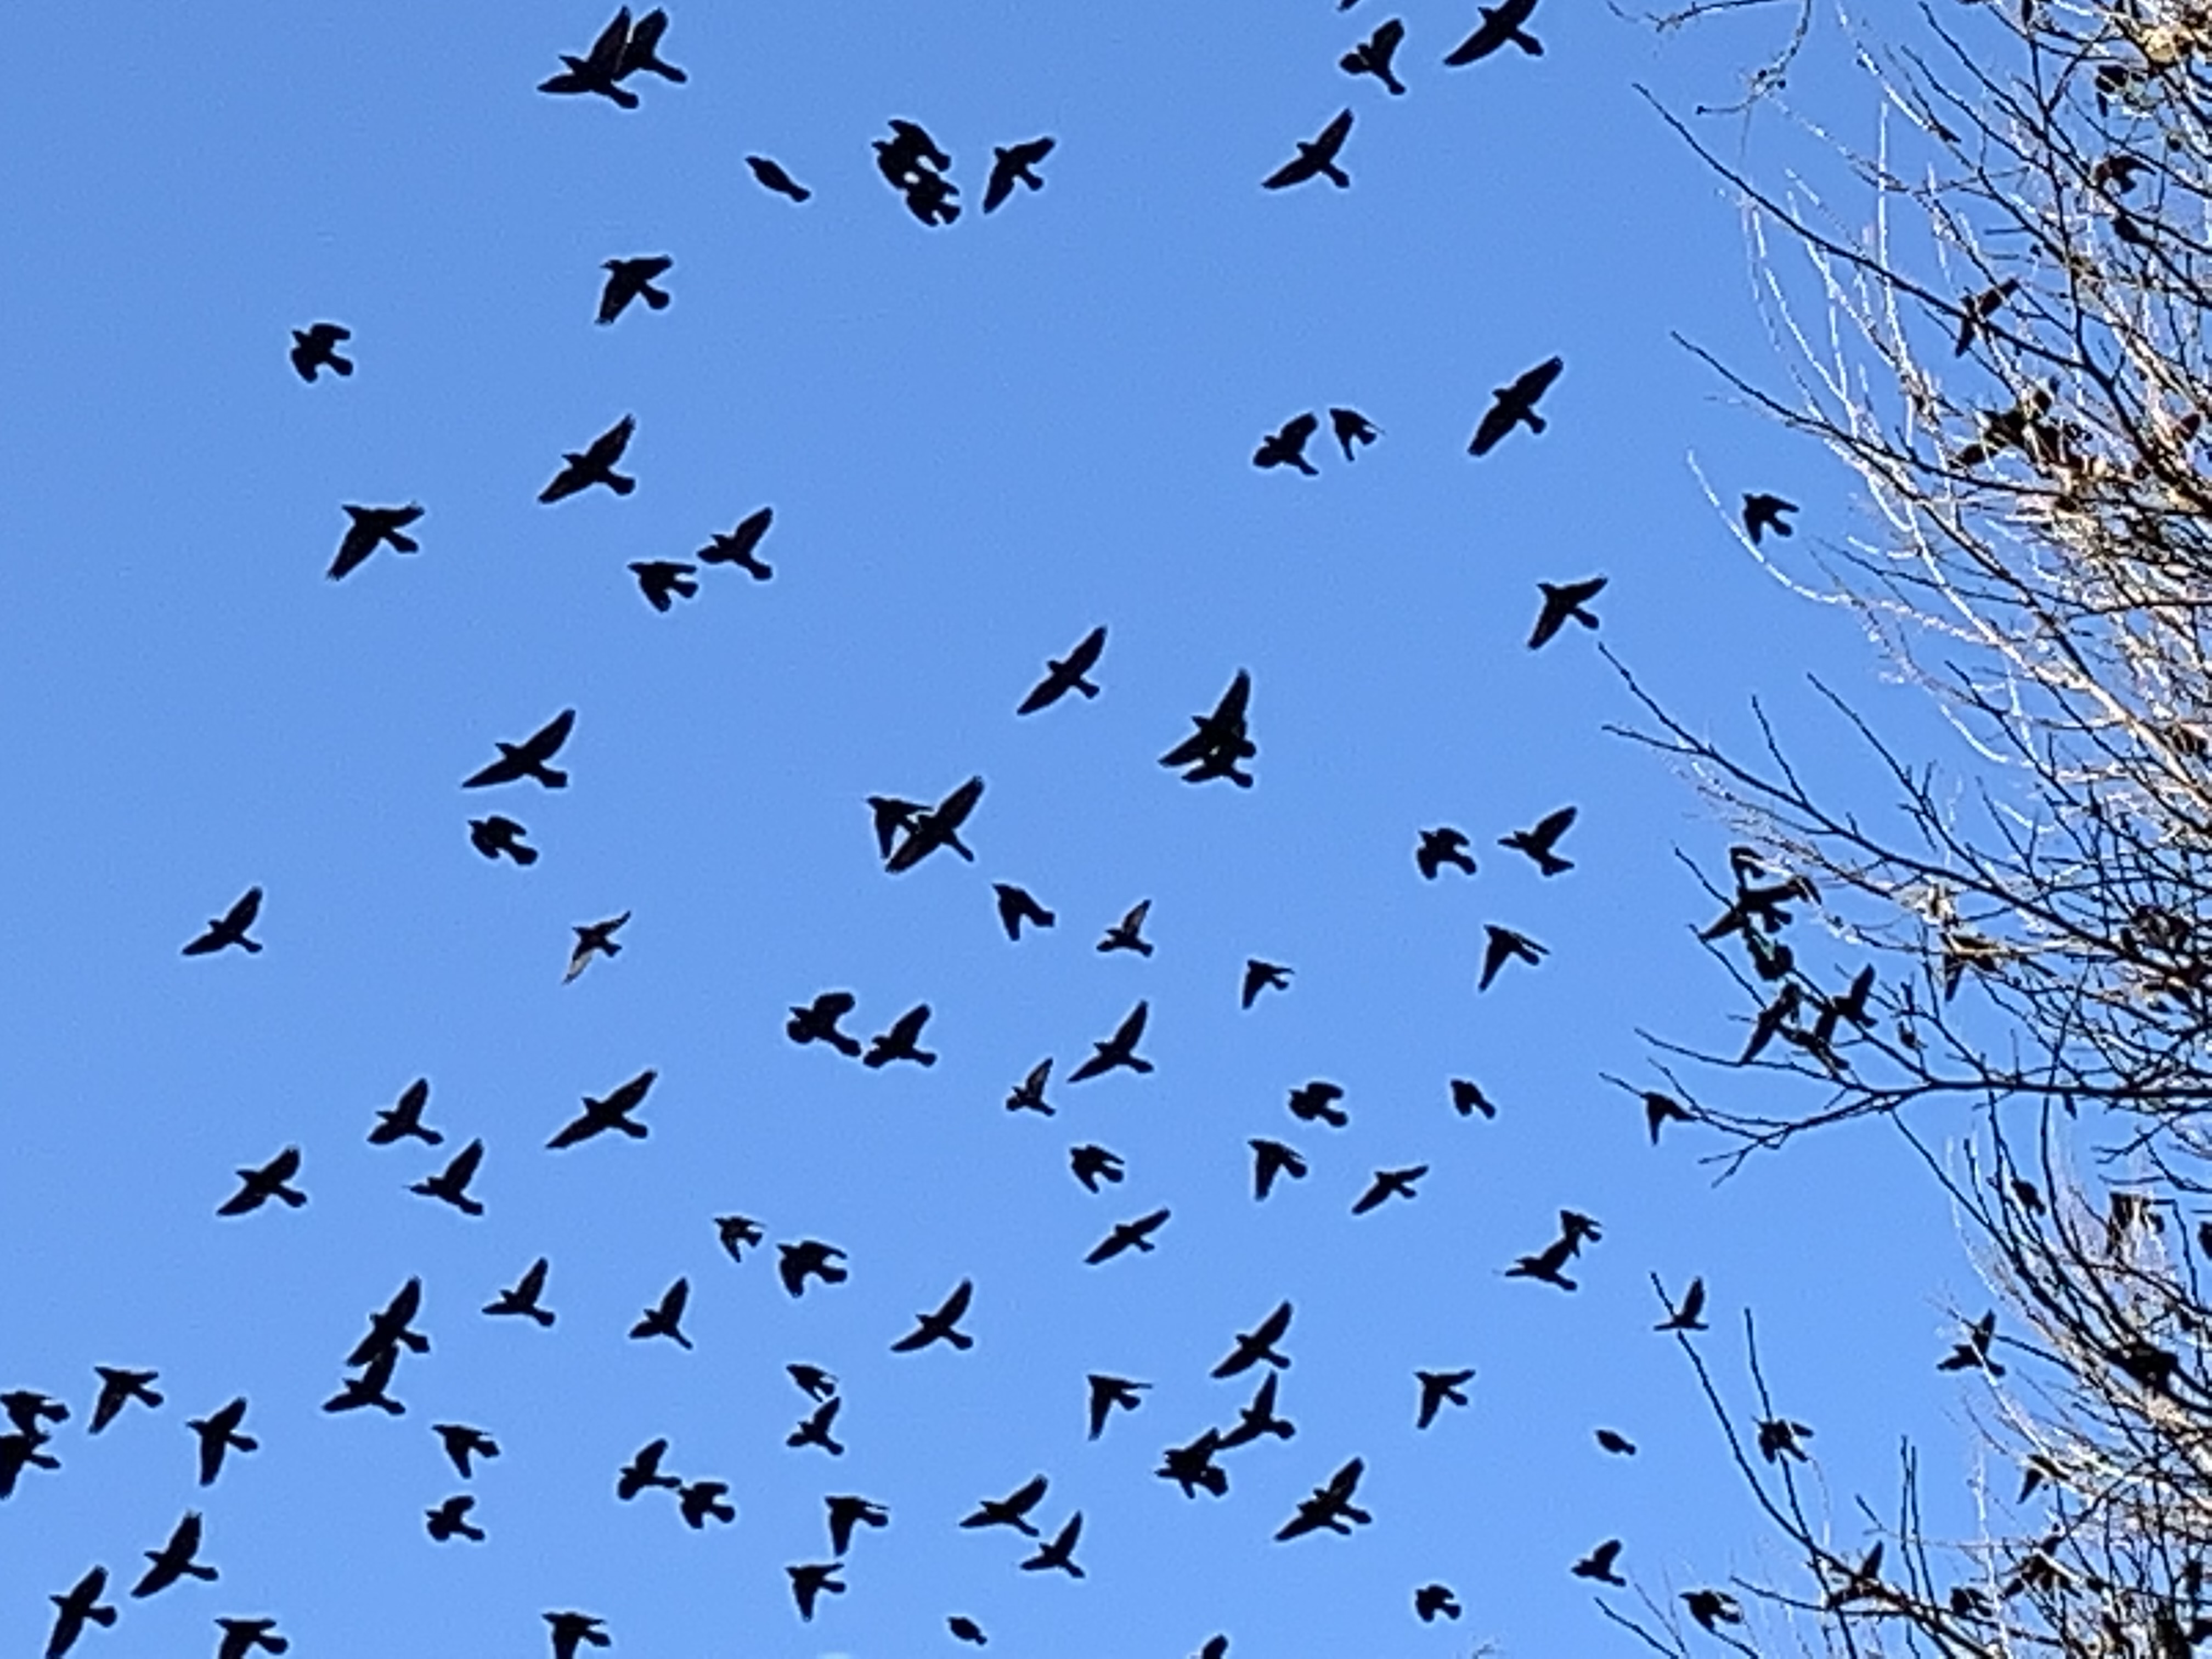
1762,512
964,1629
594,464
1538,842
815,1430
1688,1315
175,1559
1439,846
736,1232
1221,740
595,939
314,348
522,1296
1506,946
737,548
1973,1353
632,279
1118,1050
773,176
451,1184
1712,1606
1259,976
271,1179
665,1316
1012,1510
1546,1264
1271,1158
218,1436
1315,159
1027,1095
241,1636
937,826
1015,906
571,1629
1778,1439
602,69
1516,404
391,1326
450,1520
809,1256
613,1113
701,1501
890,816
1108,1393
1013,164
907,152
374,528
1257,1344
1431,1600
816,1022
663,581
119,1386
902,1042
461,1443
1128,934
20,1451
403,1119
81,1604
1286,446
1372,56
1500,24
229,928
1598,1564
809,1581
500,834
1660,1110
1577,1229
1257,1417
1060,1552
1330,1506
847,1512
1388,1184
1127,1236
943,1325
1191,1465
29,1411
1563,600
1467,1099
1977,308
1352,429
1315,1103
642,50
1438,1389
527,759
1067,674
1616,1443
643,1472
1093,1164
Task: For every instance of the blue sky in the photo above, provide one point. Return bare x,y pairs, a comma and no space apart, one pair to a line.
980,442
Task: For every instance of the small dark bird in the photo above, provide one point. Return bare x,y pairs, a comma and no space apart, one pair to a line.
1221,740
391,1326
1109,1393
30,1411
964,1629
1516,403
1118,1050
1257,1417
1315,1103
1286,446
1271,1158
814,1383
665,1316
601,70
219,1436
1093,1164
271,1179
1330,1506
1352,430
1192,1467
1577,1229
773,176
1620,1445
1506,946
1127,1236
737,548
1060,1552
902,1042
403,1119
814,1431
642,50
1439,846
1372,57
1546,1264
1598,1564
1027,1095
462,1443
1562,601
594,464
1712,1607
663,581
1128,934
21,1451
1012,1510
1500,24
1387,1185
809,1581
1256,1345
1432,1600
643,1472
1438,1389
1763,513
908,151
450,1520
816,1022
1013,164
1538,842
1977,308
371,1388
73,1611
936,826
613,1113
1467,1099
1973,1353
595,939
1067,674
522,1296
1216,1647
527,759
451,1184
632,279
314,348
943,1325
701,1501
1689,1315
374,528
891,816
1661,1110
500,834
119,1387
1315,159
1778,1439
175,1559
1262,976
241,1636
736,1232
229,928
809,1256
845,1514
569,1630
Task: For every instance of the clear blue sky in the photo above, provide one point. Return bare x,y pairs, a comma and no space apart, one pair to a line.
980,442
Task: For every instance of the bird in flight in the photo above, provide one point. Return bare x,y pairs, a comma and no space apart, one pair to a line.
178,1559
522,1296
1689,1315
1330,1506
1505,945
1271,1158
964,1629
663,581
1598,1564
809,1257
937,826
1315,1103
450,1520
643,1472
241,1637
1973,1353
1387,1185
1118,1050
1546,1264
736,547
219,1436
942,1326
771,176
1191,1465
1516,405
1372,56
527,759
229,928
1092,1164
451,1184
1432,1601
1661,1110
809,1581
594,464
665,1316
599,1116
1256,1345
1017,905
628,280
814,1431
374,528
1221,740
1467,1099
1059,1551
1564,601
1257,1417
1286,446
702,1501
1127,1236
902,1042
1012,1510
1712,1606
1128,934
372,1388
80,1606
1616,1443
1538,842
461,1443
816,1022
1439,846
1067,674
119,1386
620,50
1316,159
1259,976
1027,1095
847,1512
272,1180
1109,1394
1013,164
1439,1389
735,1233
403,1120
1501,25
1977,308
1354,430
391,1326
500,834
1763,513
314,349
594,938
571,1629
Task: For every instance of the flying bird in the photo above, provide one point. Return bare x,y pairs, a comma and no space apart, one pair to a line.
1067,674
941,1325
241,1637
1762,512
391,1326
522,1297
1546,1264
1352,429
1598,1564
1330,1507
1505,945
736,1232
594,938
80,1606
527,759
814,1431
1316,159
1286,446
1973,1353
1017,905
219,1436
809,1257
1118,1050
613,1113
1467,1099
663,581
1192,1468
1689,1315
1616,1443
1387,1185
902,1042
450,1520
1221,740
1661,1110
314,349
178,1559
1027,1095
1271,1158
1109,1394
964,1629
570,1630
847,1512
701,1501
374,528
1431,1601
451,1184
1562,601
665,1318
119,1387
738,546
628,280
500,834
643,1472
1373,55
810,1580
1257,1417
1315,1103
1128,934
1012,1510
1439,1389
1092,1164
272,1180
1013,164
1060,1552
1977,308
1501,25
594,464
1259,976
1516,403
403,1119
816,1022
461,1443
1540,841
1439,846
1712,1606
1257,1345
600,70
936,826
1127,1236
773,176
229,928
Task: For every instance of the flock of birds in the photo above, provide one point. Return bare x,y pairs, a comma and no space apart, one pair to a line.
1219,747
